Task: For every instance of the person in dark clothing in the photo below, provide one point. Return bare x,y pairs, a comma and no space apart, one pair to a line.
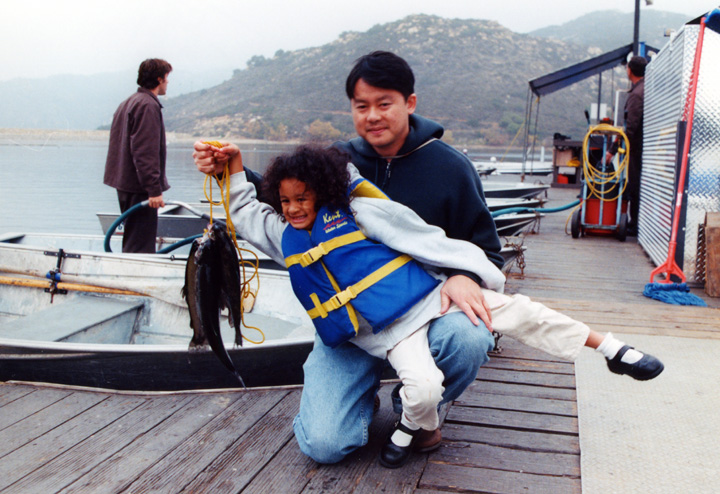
135,164
341,383
634,107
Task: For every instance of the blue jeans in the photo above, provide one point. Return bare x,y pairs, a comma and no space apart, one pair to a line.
336,407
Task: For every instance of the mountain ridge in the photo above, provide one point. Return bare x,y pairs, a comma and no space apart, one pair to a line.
471,76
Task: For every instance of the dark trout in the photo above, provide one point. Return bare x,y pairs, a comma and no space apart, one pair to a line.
210,285
231,286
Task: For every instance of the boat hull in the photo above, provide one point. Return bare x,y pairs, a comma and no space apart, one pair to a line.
513,190
152,369
118,321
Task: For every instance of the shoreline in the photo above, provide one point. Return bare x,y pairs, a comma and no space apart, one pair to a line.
42,136
19,136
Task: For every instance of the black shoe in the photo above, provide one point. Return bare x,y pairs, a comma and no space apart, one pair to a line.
648,367
394,456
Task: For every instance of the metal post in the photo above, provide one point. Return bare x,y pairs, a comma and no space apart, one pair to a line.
599,97
636,30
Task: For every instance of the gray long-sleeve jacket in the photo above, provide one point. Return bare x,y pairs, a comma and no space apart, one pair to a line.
384,221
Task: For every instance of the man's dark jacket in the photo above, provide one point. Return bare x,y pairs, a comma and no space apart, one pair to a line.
435,180
136,153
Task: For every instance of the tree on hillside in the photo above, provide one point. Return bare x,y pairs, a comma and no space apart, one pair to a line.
323,131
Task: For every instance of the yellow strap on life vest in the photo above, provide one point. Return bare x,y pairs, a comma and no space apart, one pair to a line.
368,189
342,298
323,248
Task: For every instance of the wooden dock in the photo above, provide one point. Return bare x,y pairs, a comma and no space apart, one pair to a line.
515,426
514,430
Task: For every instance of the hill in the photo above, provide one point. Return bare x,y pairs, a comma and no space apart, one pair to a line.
472,76
609,29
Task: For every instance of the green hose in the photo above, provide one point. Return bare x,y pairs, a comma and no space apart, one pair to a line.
499,212
146,203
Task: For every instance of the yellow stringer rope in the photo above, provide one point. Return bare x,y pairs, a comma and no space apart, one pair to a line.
246,292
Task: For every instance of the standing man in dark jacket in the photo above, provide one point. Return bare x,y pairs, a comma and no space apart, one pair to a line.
135,163
634,107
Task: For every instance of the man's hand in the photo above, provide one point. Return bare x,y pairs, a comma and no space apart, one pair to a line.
469,297
211,160
608,157
156,201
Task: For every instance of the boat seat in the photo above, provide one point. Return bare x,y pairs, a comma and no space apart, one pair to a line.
83,319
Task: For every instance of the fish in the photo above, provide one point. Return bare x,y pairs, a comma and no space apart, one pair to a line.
231,286
208,289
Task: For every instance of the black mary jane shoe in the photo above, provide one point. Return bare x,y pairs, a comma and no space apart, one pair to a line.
394,456
648,367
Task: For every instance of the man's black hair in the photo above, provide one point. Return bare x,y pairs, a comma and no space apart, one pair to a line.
151,70
384,70
637,66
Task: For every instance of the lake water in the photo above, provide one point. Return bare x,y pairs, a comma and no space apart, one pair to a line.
57,186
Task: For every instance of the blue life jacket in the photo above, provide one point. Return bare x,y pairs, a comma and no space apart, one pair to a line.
335,271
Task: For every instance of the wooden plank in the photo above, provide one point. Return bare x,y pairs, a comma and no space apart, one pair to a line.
250,452
122,460
203,453
454,478
510,438
508,419
514,349
533,378
33,426
522,390
520,403
500,362
82,457
29,404
288,472
114,418
514,460
12,392
653,312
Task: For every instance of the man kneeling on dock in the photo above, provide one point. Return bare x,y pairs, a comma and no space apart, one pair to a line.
403,155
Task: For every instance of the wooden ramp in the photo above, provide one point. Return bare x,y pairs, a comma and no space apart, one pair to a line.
514,430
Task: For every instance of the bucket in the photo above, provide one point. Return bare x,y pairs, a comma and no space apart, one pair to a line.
609,215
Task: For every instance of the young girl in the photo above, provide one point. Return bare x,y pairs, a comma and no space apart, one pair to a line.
368,271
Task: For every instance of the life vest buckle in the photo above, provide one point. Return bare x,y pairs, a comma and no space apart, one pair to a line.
342,298
313,255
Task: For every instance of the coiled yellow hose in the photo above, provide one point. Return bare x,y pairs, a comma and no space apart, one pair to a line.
596,179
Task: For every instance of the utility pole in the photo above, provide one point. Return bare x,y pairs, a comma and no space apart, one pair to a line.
636,30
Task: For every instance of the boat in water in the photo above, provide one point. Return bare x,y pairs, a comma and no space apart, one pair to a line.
502,167
513,190
493,166
179,221
119,321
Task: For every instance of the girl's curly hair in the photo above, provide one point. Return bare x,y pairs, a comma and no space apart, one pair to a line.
323,170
